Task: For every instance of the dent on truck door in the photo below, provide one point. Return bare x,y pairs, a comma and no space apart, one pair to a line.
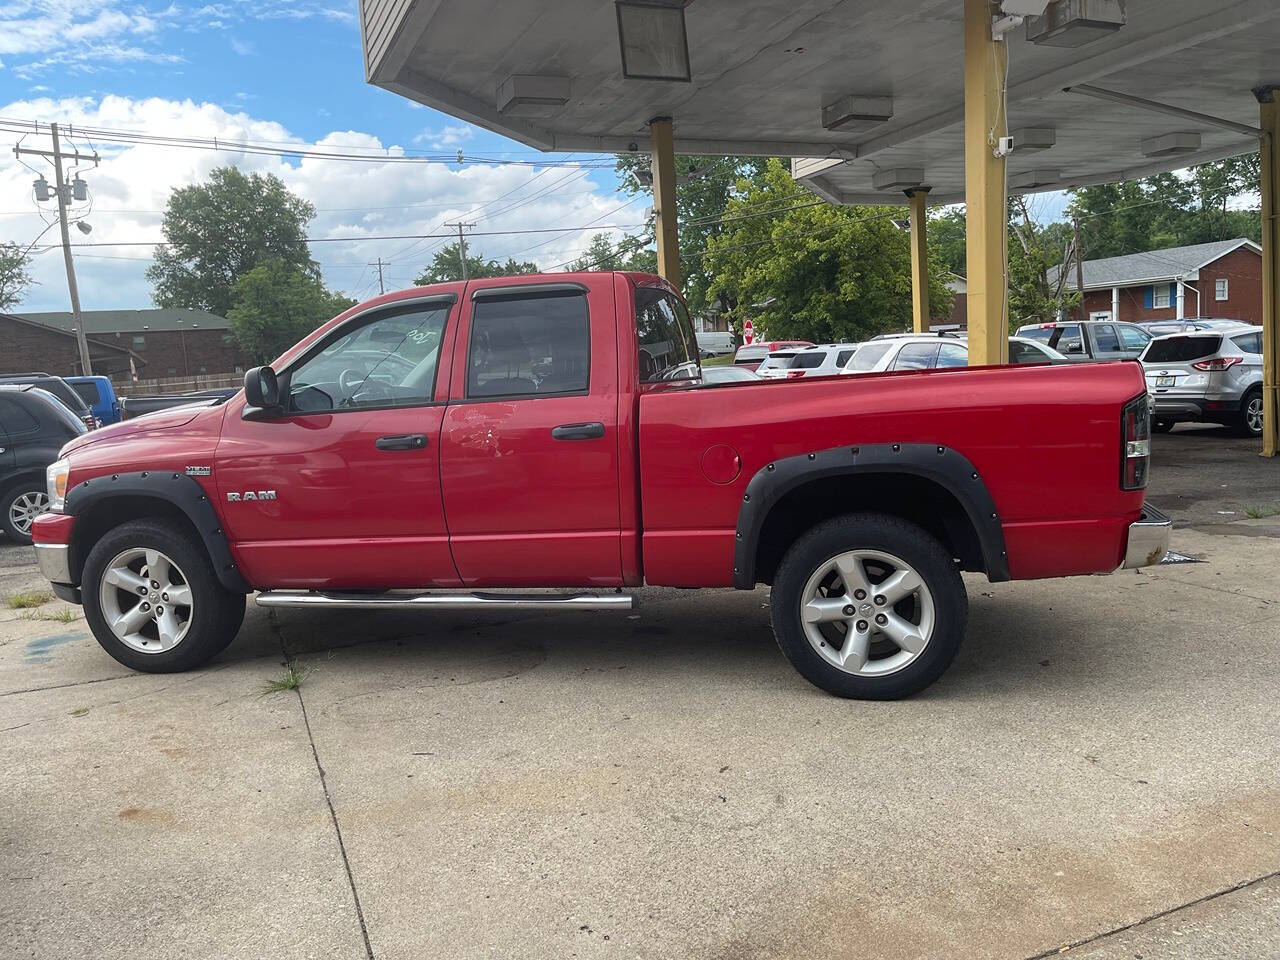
529,447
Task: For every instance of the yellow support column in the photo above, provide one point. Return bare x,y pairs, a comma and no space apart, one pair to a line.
662,146
986,207
919,260
1270,111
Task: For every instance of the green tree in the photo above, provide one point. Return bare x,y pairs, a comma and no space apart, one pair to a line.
629,253
219,230
1038,289
446,265
816,271
276,304
946,239
14,278
704,188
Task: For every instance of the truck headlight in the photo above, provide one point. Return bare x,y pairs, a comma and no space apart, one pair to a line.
55,477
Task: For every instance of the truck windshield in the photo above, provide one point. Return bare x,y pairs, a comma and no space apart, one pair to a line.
668,345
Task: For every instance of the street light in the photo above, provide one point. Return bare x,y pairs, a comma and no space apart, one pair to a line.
653,39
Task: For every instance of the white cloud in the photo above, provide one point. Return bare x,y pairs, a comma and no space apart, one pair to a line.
451,135
84,37
366,199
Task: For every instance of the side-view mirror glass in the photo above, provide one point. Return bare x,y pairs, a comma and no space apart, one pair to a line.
261,388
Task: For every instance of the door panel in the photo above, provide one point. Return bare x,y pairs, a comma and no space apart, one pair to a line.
351,470
528,507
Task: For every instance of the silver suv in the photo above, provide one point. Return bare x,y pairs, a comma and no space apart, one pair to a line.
1206,376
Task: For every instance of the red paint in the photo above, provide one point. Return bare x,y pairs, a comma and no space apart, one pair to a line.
493,500
52,528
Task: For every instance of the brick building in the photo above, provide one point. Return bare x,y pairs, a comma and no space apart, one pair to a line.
1222,279
122,343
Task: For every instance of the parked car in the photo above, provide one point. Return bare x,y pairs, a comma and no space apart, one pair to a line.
822,361
860,503
100,395
714,343
751,355
138,406
1091,340
34,424
1213,376
927,352
712,375
65,393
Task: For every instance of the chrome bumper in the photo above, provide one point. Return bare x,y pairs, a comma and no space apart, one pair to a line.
55,565
1148,539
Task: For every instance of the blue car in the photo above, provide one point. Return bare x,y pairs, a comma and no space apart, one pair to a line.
99,395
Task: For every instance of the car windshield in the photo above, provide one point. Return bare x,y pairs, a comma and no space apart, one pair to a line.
1181,349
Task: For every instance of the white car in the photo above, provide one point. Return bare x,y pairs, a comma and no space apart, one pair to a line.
929,352
825,360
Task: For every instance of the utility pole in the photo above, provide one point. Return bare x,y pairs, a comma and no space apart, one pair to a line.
63,194
382,287
462,245
1075,228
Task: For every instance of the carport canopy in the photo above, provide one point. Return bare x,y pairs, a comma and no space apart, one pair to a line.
1172,87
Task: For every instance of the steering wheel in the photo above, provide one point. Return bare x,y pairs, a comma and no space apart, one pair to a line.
349,379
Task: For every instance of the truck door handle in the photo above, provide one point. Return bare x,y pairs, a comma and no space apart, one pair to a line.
402,441
578,431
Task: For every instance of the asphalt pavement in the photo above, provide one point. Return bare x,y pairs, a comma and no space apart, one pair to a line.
1095,774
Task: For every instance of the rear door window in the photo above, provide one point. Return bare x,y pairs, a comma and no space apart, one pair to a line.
1105,339
1133,338
916,356
843,357
16,421
952,355
1182,349
668,344
529,344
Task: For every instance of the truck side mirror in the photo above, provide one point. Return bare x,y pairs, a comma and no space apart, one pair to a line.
262,390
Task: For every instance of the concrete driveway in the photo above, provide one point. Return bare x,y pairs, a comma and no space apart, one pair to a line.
1098,769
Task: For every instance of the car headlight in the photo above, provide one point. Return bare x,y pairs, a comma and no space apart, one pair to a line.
55,477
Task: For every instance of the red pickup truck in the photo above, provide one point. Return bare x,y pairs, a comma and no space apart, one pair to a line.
430,446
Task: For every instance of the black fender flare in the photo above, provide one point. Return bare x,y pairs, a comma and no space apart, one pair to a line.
946,467
183,492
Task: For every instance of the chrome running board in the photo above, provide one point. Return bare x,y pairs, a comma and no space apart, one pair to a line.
337,599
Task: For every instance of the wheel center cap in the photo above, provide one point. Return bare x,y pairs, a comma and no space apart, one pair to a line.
155,596
866,609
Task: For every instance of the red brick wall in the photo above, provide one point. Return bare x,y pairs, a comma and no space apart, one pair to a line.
205,352
1241,268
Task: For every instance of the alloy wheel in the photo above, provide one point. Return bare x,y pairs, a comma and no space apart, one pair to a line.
25,508
1253,415
146,600
867,612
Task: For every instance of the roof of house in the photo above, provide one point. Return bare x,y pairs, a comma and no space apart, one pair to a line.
1172,263
99,322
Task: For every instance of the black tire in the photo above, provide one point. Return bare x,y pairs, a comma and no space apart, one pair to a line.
890,535
1252,399
216,612
20,489
1161,426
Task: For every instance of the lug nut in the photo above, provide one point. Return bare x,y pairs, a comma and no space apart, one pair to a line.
146,606
155,584
143,591
862,626
879,601
849,610
159,611
881,619
859,594
164,596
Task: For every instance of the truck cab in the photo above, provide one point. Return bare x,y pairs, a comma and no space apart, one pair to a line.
435,445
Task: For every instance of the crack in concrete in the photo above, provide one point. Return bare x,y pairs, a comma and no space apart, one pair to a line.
1076,944
274,626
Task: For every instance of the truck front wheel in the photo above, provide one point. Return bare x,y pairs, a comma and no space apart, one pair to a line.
153,601
869,606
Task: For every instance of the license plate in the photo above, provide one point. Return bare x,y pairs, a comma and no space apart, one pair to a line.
1164,381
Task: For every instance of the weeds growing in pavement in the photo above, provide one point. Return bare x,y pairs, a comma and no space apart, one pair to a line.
291,679
29,598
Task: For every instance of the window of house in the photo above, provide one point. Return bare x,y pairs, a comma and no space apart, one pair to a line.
1160,297
226,339
529,344
1220,288
139,343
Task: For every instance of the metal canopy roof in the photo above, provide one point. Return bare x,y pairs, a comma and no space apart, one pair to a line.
763,70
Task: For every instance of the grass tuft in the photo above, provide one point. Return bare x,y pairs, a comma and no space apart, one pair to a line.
29,598
62,616
291,679
1261,513
78,712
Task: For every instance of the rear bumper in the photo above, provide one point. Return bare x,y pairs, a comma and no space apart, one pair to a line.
1193,408
1148,539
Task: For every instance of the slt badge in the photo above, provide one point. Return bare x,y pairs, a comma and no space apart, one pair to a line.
251,495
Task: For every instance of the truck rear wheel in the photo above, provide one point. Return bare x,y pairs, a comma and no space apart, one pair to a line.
869,606
153,601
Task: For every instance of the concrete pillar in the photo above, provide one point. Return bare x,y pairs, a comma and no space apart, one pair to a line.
662,146
1269,100
1115,304
919,259
986,205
